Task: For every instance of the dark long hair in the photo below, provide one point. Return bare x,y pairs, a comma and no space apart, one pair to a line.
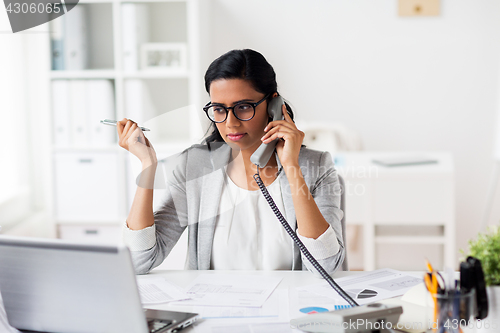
244,64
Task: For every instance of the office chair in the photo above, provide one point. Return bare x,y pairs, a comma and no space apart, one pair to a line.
345,266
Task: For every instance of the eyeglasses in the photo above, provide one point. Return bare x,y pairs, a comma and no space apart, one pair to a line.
243,110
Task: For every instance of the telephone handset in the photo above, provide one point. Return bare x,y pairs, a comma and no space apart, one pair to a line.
262,155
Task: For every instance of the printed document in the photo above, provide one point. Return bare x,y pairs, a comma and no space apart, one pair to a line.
303,302
230,290
158,290
368,287
275,308
207,326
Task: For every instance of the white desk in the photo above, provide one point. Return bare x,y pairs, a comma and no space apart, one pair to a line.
418,195
291,279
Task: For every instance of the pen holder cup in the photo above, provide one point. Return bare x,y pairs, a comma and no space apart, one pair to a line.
451,312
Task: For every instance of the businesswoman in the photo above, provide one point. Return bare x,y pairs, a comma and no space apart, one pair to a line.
212,192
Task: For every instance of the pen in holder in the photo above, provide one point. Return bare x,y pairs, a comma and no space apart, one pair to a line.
451,311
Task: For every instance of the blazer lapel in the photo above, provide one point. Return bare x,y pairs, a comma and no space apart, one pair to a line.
287,198
290,215
211,191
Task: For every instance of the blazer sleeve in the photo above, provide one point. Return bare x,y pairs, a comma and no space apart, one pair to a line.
326,192
170,219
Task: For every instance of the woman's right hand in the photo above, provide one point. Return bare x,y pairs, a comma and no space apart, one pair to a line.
131,138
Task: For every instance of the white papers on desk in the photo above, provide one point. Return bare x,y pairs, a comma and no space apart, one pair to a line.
230,290
368,287
275,307
209,326
218,327
158,290
303,302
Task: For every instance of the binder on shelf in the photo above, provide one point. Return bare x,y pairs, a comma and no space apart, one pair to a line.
137,101
135,31
61,113
57,43
100,105
75,38
78,106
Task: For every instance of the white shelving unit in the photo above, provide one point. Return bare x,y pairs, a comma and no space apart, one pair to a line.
402,206
94,183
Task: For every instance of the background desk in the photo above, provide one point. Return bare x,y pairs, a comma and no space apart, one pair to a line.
291,279
418,196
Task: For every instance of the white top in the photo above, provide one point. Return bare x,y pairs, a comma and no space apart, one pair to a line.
248,235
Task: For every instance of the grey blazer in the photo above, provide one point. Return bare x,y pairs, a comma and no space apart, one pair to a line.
194,181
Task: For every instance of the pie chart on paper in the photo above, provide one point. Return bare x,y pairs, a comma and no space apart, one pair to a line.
313,309
362,293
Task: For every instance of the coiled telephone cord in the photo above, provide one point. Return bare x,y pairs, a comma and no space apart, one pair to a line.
299,243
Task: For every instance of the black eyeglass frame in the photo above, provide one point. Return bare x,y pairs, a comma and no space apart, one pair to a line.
254,105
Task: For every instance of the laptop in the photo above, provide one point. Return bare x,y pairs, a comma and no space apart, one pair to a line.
50,285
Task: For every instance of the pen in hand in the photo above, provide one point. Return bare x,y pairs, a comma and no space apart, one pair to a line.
113,123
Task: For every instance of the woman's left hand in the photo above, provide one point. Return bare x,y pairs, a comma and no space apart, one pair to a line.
288,148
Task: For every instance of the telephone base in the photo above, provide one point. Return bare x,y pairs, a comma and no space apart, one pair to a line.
375,317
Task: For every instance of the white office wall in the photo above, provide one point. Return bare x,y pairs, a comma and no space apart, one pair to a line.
403,83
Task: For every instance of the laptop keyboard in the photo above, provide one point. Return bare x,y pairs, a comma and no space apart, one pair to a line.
157,325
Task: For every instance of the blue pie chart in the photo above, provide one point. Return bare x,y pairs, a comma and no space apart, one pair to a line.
313,309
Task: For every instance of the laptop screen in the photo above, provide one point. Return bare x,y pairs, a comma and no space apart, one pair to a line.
51,285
